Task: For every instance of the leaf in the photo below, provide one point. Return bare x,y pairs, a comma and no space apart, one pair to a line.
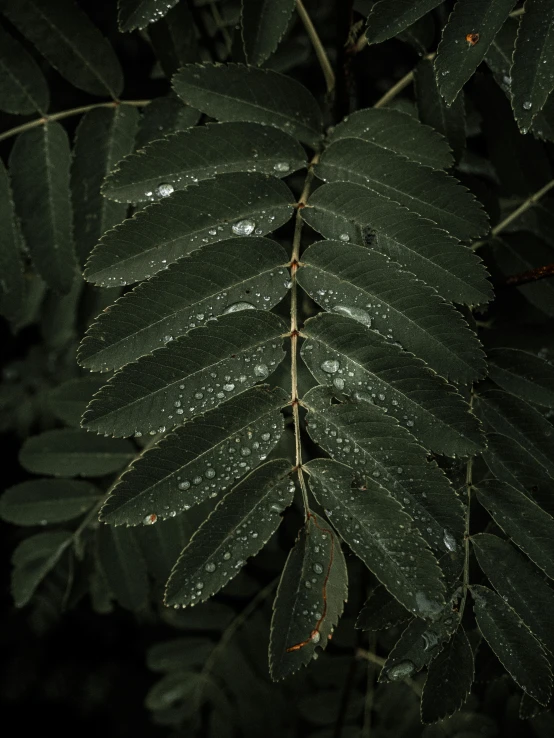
397,132
449,679
522,374
216,551
104,136
12,285
431,194
39,165
134,14
381,611
382,536
74,453
450,120
391,379
162,544
234,92
388,19
533,61
46,501
69,400
240,273
374,443
123,566
163,116
24,89
33,559
519,652
186,157
310,598
70,42
202,458
174,39
518,583
178,653
263,26
349,212
173,228
457,57
198,371
525,522
365,286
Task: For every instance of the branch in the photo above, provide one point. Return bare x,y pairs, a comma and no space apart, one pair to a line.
318,46
400,85
533,275
522,208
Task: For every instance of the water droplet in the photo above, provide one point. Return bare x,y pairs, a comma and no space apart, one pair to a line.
449,541
281,166
228,387
317,568
427,608
331,366
353,312
238,306
199,585
210,568
339,383
210,473
344,237
243,227
288,284
197,480
184,485
226,556
430,640
527,105
164,190
150,519
245,451
401,670
261,370
266,436
315,637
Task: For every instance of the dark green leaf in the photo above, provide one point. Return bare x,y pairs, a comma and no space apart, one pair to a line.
364,285
12,285
519,584
74,453
522,374
194,373
174,39
382,536
533,62
162,544
176,690
234,92
217,551
458,58
123,566
33,559
230,205
39,165
519,652
449,679
69,41
69,399
104,136
310,598
45,501
350,213
163,116
201,459
264,23
179,653
394,380
381,611
526,523
24,89
387,19
139,13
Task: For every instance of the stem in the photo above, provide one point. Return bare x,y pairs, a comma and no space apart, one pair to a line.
370,656
400,85
68,113
218,20
469,486
533,275
320,52
522,208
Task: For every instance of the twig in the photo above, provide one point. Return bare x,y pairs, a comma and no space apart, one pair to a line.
318,46
400,85
522,208
533,275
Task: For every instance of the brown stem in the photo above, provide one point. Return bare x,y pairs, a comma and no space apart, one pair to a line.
533,275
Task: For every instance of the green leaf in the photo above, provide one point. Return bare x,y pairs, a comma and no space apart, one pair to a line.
33,559
395,131
519,652
198,461
526,523
104,136
533,61
123,566
431,194
162,544
173,228
450,120
186,157
394,380
174,39
69,41
234,92
24,88
457,59
194,373
46,501
388,19
263,24
74,453
522,374
310,599
163,116
12,284
381,611
217,552
365,286
449,679
518,583
39,165
178,653
349,212
382,536
240,273
69,400
374,443
134,14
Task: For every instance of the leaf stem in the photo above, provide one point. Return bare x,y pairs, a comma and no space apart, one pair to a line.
400,85
69,113
469,486
522,208
320,52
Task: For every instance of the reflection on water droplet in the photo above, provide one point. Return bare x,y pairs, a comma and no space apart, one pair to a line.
150,519
317,568
243,227
315,637
353,312
210,567
527,105
339,383
281,166
344,237
238,306
430,640
164,190
401,670
261,370
449,541
427,608
226,556
331,366
184,485
210,473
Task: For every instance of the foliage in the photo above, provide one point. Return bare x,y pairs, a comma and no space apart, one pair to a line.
270,319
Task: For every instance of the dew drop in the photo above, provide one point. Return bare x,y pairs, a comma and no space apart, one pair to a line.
339,383
401,670
164,190
210,568
150,519
353,312
197,480
261,370
281,166
449,541
210,473
317,568
243,227
527,105
344,237
315,637
238,306
226,556
228,387
184,485
331,366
